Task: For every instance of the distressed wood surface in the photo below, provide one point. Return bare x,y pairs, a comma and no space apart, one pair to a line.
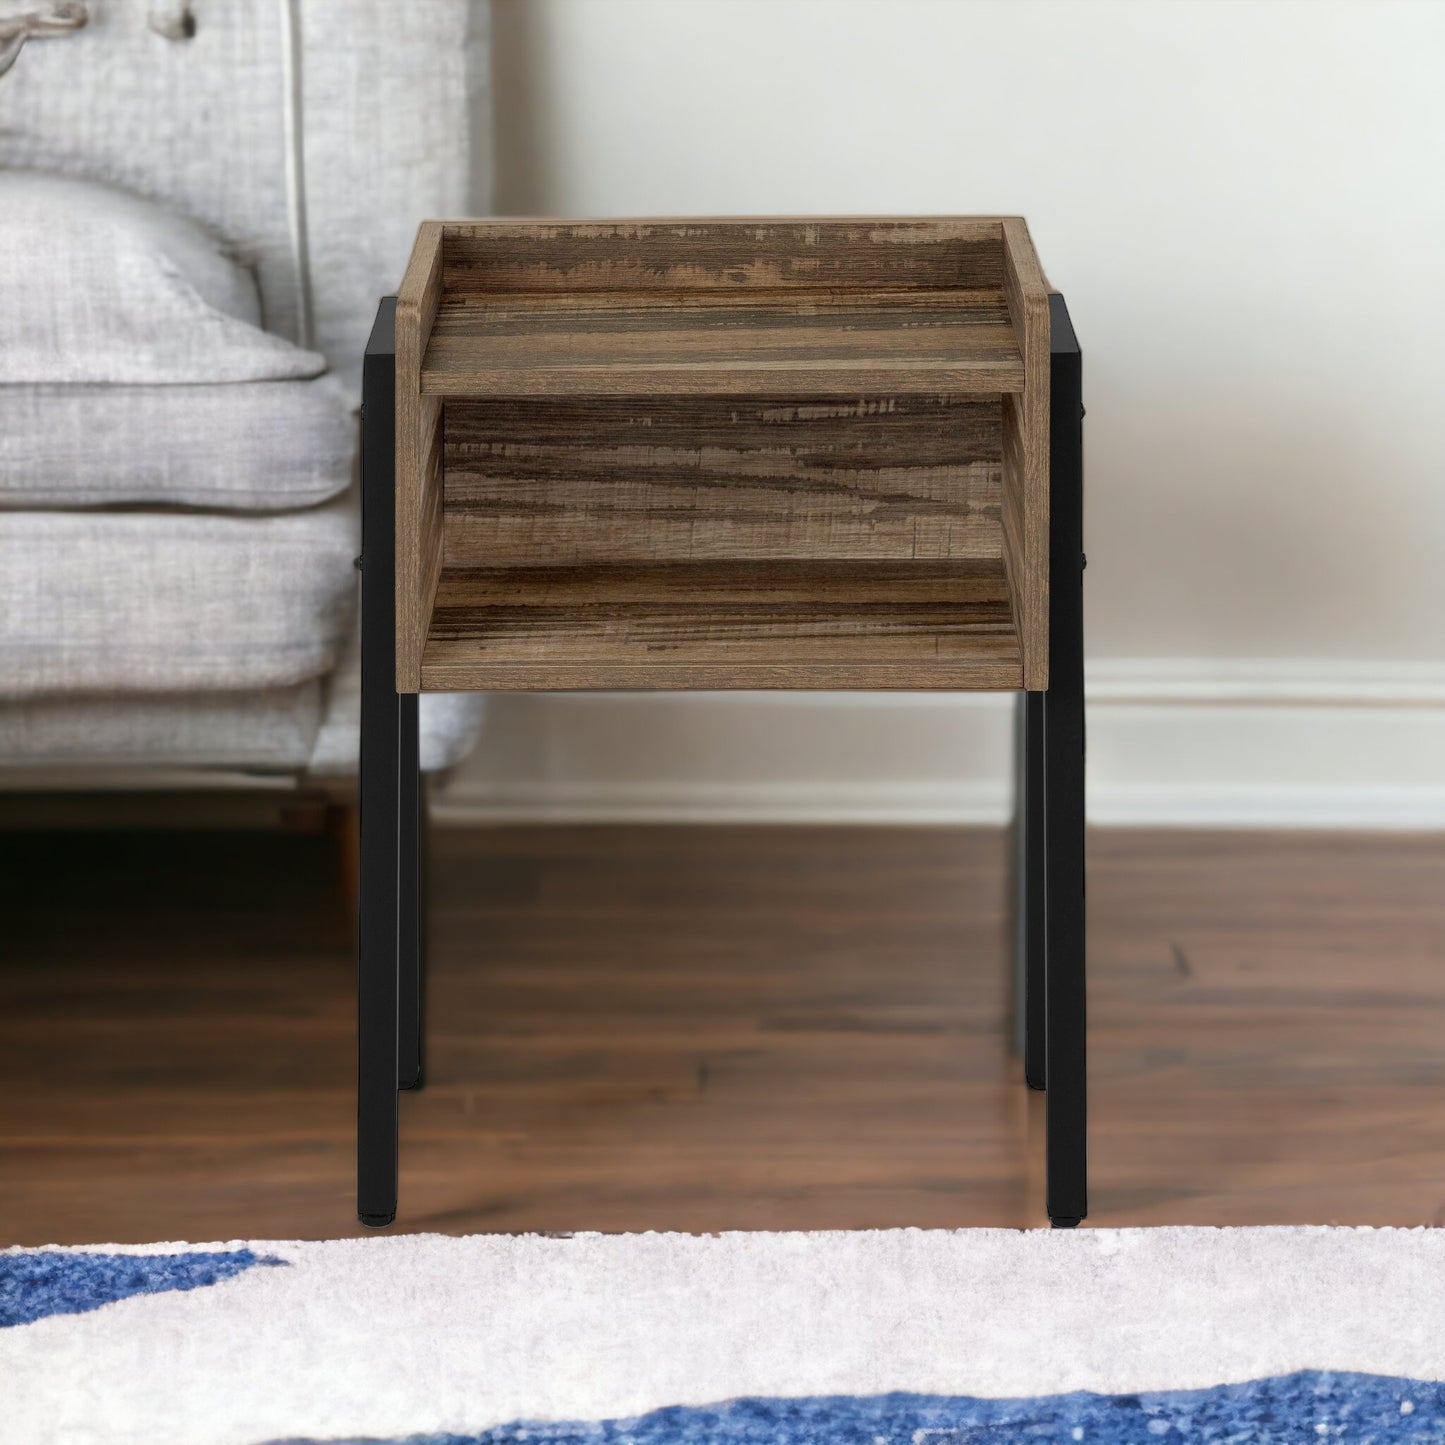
1026,455
684,479
723,625
706,253
701,397
418,458
723,343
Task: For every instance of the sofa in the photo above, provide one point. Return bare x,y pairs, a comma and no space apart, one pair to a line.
199,209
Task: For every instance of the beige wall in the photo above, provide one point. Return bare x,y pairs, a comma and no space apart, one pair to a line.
1243,205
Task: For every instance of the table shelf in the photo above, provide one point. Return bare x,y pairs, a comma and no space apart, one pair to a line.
721,625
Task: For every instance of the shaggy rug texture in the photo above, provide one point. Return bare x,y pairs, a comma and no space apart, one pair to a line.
905,1337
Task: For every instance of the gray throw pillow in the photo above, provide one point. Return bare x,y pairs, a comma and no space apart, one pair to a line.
99,285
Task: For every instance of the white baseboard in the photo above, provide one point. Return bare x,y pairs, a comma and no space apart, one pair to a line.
1246,805
1253,743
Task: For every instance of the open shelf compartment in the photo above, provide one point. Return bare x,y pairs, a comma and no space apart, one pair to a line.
781,454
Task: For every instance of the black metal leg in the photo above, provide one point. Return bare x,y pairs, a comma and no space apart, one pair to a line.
1063,767
381,790
1029,885
409,909
1017,881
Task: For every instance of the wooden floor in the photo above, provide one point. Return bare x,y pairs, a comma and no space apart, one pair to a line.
650,1028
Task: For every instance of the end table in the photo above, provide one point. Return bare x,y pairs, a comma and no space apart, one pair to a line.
771,453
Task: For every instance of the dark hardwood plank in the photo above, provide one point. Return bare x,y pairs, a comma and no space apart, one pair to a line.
709,1028
1272,1001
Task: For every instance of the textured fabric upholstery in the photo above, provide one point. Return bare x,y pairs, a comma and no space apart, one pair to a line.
102,286
258,446
312,136
276,730
269,730
448,729
198,125
165,602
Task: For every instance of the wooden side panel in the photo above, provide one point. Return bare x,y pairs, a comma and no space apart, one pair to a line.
571,482
1026,456
686,255
418,458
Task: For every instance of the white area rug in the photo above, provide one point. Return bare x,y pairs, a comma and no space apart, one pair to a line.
883,1338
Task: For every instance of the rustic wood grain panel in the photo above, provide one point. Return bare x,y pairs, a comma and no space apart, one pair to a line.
569,481
418,458
1026,455
712,343
715,394
700,253
728,625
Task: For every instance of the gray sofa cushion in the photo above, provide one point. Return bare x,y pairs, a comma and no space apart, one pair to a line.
261,445
98,285
270,730
448,724
309,727
173,601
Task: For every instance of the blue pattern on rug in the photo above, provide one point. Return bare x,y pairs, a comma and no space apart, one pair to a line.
38,1283
1313,1405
